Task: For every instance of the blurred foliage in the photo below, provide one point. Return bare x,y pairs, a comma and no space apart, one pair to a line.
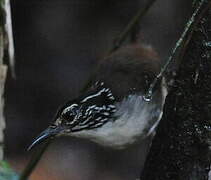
6,172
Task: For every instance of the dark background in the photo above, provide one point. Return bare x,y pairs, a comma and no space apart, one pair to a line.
57,44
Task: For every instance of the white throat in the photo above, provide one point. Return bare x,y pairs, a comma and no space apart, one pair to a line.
136,120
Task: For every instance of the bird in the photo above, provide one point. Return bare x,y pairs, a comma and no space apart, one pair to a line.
113,110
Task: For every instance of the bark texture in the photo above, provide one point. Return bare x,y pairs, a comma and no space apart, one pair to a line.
181,148
3,70
6,42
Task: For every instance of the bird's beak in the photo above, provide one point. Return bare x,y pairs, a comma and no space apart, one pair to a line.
46,134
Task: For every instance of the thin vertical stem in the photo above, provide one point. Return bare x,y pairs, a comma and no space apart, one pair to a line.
33,162
133,23
148,95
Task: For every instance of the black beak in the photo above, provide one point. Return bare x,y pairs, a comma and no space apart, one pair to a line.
50,132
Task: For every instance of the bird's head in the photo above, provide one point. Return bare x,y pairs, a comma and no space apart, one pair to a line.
84,113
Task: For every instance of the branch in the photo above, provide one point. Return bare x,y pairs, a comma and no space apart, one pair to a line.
33,162
131,25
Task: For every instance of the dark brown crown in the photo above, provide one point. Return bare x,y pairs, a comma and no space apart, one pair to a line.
129,70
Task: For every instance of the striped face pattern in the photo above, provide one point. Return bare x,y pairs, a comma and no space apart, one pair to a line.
89,111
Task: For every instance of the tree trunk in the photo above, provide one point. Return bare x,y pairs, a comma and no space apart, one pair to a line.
182,147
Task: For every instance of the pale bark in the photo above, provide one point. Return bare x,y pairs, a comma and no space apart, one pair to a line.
3,70
6,41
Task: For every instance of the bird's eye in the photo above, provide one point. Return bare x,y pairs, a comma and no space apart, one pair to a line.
67,115
69,112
